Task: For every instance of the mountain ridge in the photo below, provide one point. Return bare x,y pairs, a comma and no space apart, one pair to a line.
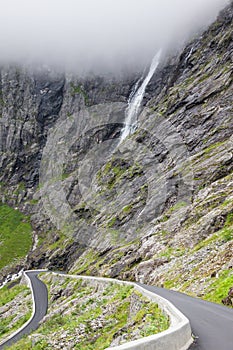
159,209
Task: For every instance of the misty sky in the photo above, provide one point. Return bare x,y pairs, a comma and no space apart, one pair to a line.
94,34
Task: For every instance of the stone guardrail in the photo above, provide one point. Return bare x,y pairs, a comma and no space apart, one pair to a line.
177,337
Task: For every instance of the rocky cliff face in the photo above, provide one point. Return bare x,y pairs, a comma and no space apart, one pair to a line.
157,207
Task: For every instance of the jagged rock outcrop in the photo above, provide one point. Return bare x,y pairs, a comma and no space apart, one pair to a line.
156,208
229,299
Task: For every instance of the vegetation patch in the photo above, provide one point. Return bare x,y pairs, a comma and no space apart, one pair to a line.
173,209
15,235
88,315
115,171
224,235
85,261
79,90
217,291
15,308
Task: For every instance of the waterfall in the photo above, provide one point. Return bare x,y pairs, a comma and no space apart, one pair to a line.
136,98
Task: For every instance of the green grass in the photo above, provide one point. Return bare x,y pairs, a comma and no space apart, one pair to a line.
7,295
176,207
212,147
170,252
111,222
127,209
112,306
218,290
6,330
27,344
166,216
117,170
15,235
85,261
225,234
171,283
79,90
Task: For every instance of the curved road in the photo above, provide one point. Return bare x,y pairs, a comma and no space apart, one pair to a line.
211,323
40,296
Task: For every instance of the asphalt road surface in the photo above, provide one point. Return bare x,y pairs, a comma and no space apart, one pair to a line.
41,304
211,323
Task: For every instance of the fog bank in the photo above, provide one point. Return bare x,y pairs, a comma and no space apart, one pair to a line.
98,34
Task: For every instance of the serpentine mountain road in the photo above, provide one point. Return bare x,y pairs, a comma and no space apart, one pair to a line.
211,323
40,295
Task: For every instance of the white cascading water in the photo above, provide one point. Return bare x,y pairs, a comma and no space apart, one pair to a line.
136,98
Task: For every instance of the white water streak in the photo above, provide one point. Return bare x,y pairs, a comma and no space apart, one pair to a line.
135,99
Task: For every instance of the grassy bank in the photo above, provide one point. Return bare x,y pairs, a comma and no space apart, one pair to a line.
88,317
15,235
15,308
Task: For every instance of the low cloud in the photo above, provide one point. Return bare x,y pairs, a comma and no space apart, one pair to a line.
98,34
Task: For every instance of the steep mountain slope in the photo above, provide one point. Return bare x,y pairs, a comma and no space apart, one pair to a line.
158,207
